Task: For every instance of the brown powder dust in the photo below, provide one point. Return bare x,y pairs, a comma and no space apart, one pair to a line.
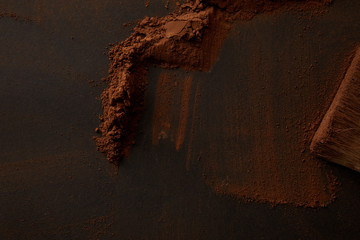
14,16
190,39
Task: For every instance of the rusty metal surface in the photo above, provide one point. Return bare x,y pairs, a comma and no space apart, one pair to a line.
55,185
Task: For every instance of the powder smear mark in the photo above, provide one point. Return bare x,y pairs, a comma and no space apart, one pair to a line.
171,108
245,160
184,111
254,152
194,121
164,103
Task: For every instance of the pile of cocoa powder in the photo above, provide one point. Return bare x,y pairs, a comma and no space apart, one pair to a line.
189,39
179,40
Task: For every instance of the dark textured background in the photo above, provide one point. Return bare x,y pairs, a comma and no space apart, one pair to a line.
55,185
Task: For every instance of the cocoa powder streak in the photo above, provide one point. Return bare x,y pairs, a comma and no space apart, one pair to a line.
193,124
184,110
164,101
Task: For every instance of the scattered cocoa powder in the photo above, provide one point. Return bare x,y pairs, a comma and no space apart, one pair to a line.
190,39
12,15
255,152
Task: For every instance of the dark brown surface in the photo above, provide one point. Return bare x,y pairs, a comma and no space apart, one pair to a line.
55,185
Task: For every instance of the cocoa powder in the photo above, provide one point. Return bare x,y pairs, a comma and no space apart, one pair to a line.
190,39
179,40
